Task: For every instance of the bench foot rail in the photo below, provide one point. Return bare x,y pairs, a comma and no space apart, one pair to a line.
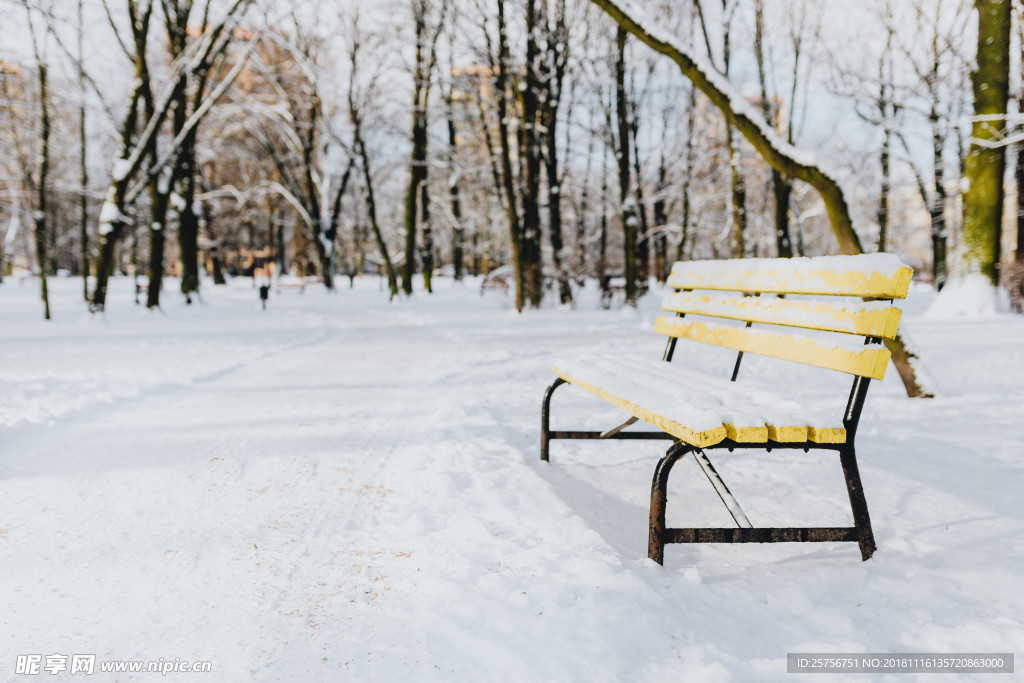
762,535
659,535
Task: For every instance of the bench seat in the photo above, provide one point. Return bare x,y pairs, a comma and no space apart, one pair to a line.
697,408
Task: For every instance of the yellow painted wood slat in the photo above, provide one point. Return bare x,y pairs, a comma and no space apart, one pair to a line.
826,435
787,434
864,276
747,434
867,362
871,319
700,439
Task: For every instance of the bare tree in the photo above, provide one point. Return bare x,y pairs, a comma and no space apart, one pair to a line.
355,110
37,181
140,163
551,82
626,198
426,36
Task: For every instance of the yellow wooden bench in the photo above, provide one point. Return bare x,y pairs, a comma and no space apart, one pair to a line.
831,312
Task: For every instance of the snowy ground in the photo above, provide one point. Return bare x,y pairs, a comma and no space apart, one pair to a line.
344,489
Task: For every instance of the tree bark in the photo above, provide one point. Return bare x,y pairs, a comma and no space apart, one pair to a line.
157,238
985,163
425,57
554,74
508,182
427,249
937,205
626,199
684,220
737,186
83,170
660,220
781,187
458,233
643,246
531,152
334,220
1019,252
883,195
418,160
42,188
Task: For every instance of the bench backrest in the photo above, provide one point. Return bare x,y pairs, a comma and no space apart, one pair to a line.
834,294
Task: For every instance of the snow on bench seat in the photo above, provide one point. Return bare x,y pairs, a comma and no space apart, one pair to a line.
697,408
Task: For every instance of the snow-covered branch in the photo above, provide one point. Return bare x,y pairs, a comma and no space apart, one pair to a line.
781,155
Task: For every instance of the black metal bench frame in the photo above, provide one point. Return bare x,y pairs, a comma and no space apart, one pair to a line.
659,535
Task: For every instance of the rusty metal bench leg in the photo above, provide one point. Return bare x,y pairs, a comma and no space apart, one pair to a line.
659,499
545,418
859,505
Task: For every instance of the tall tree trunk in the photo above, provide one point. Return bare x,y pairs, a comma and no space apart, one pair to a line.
883,196
371,204
458,233
737,197
643,247
160,198
984,165
602,244
937,206
581,219
781,187
334,220
42,189
83,169
188,220
684,220
508,182
427,250
185,166
555,214
886,115
531,153
660,220
554,75
418,160
1019,253
626,199
737,186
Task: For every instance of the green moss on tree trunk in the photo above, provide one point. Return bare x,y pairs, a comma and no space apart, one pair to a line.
984,166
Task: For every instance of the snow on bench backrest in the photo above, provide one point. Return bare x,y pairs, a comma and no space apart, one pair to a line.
874,276
879,276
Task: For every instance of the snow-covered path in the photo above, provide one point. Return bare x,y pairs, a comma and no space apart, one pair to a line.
343,489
